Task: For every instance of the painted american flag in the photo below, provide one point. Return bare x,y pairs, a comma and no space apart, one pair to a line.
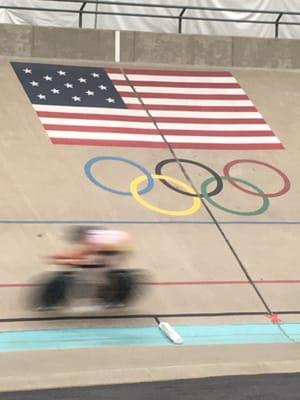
144,107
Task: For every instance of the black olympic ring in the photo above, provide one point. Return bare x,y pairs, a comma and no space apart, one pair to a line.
218,179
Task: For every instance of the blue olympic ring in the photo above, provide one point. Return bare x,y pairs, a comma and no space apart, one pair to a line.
88,171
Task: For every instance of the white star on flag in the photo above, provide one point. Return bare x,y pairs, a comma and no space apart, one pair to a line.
82,80
55,91
27,70
47,78
95,75
41,96
34,83
89,93
102,87
61,73
68,85
76,98
110,100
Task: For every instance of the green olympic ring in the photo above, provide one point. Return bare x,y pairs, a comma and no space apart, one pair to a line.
263,208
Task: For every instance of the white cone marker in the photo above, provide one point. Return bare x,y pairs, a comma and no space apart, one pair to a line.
171,333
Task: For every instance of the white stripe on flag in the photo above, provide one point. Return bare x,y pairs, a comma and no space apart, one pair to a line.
202,114
214,127
124,88
221,139
90,110
191,102
143,113
182,90
174,78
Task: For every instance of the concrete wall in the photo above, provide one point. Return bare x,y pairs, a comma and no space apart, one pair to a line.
44,42
167,48
148,48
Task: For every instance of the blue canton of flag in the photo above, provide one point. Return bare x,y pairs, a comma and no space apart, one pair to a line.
63,85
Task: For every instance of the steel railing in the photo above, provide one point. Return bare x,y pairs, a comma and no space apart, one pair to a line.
180,16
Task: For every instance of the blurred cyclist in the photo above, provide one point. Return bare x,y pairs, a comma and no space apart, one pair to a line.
96,247
93,246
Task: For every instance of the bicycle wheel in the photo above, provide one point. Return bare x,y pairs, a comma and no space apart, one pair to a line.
122,287
53,292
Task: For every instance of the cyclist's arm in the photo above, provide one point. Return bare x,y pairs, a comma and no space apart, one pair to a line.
77,255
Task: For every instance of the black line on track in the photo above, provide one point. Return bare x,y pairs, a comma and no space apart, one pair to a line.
282,330
227,241
141,316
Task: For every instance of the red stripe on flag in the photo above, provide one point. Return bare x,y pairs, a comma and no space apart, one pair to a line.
113,70
191,108
108,129
111,129
207,146
228,146
224,121
117,143
215,133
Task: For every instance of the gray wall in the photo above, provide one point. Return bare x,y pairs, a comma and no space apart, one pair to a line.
151,48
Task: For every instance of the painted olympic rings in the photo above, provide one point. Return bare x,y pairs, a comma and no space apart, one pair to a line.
88,171
260,210
217,190
135,183
286,181
183,188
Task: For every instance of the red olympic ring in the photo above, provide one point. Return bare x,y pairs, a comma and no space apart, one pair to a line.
286,181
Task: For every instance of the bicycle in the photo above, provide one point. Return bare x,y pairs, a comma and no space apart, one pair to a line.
118,287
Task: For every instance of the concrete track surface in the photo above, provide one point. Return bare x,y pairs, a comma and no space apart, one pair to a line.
200,274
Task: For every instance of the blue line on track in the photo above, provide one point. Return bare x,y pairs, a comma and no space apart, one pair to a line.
146,222
76,338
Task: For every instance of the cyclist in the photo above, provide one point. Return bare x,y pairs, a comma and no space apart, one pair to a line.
94,248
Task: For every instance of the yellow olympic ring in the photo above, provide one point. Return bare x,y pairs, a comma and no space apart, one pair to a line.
134,190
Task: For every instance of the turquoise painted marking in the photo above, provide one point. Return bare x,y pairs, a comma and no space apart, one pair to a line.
55,339
51,339
232,334
292,330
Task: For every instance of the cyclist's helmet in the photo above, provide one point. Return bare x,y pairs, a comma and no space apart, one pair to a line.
77,233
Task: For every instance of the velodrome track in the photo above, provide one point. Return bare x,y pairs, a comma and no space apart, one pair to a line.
210,270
